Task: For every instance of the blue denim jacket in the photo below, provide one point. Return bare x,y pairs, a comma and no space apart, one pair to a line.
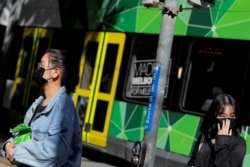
56,135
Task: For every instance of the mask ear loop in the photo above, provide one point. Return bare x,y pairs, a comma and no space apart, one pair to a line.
38,65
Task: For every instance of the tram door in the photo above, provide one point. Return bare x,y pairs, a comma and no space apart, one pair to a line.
34,42
98,77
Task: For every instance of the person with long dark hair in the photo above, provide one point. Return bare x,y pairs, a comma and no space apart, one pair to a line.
220,144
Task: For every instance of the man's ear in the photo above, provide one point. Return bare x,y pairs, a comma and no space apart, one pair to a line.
56,72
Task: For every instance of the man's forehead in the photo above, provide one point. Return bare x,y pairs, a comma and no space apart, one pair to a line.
229,109
44,59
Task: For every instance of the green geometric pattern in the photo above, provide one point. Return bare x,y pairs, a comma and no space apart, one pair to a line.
246,135
177,132
227,19
127,121
183,134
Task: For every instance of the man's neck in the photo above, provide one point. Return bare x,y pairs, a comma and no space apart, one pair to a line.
49,91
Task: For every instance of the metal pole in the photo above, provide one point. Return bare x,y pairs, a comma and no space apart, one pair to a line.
160,79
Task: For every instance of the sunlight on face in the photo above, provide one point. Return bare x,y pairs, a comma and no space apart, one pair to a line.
227,113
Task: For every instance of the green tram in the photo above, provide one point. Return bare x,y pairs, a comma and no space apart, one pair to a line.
112,62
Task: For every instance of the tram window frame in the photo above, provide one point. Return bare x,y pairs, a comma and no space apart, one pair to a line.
109,68
143,49
224,75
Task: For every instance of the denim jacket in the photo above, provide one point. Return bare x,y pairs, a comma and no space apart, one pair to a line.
56,135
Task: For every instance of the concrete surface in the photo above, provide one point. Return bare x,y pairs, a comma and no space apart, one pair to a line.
85,162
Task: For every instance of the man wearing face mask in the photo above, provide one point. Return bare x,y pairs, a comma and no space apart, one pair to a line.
220,144
55,129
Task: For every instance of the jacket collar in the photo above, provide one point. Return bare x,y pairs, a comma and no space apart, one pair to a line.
52,101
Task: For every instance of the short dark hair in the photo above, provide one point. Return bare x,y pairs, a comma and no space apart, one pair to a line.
57,58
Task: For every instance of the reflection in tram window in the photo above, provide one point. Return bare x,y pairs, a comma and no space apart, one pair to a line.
87,76
91,53
81,108
109,67
25,57
213,63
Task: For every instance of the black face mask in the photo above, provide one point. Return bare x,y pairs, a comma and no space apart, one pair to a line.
38,77
233,124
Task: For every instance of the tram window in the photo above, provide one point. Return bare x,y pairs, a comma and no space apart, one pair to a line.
43,45
100,115
90,57
16,103
141,67
26,57
81,108
213,63
109,67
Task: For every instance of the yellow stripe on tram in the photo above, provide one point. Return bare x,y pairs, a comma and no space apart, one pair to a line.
100,137
91,89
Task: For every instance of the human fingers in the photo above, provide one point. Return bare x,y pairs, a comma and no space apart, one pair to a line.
218,126
11,153
230,132
8,156
224,130
227,123
9,150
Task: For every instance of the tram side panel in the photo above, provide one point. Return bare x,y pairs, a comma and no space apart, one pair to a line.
181,115
131,104
192,77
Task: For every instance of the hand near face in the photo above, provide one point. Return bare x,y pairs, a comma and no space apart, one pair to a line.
225,128
9,147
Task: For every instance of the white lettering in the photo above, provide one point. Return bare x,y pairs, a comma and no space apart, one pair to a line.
144,69
142,81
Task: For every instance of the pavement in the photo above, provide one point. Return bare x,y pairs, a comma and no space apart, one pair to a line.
85,161
5,163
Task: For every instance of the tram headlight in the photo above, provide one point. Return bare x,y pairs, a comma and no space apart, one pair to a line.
138,154
134,160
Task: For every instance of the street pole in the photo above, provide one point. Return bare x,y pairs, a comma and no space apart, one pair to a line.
160,79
